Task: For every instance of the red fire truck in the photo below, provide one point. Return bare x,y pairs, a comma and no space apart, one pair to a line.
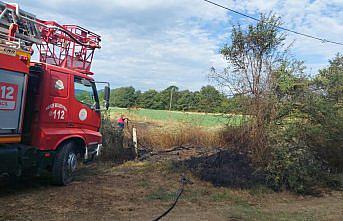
50,109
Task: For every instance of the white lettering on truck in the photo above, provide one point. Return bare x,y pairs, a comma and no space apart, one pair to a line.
8,96
57,111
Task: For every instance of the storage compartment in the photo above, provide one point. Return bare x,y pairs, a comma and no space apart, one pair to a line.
11,101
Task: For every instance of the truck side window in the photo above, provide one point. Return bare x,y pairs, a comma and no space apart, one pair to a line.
83,91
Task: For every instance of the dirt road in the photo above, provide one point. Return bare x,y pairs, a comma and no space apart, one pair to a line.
143,190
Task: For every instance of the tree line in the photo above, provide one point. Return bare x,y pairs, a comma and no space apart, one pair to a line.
208,99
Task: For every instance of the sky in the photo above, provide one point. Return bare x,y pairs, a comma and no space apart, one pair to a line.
151,44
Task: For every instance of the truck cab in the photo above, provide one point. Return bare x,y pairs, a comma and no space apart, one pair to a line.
64,105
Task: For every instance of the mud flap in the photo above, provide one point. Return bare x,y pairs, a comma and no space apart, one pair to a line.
92,152
9,159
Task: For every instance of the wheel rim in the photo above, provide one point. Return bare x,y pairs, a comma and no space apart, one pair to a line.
71,163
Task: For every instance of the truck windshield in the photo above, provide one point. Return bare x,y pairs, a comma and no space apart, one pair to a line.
85,92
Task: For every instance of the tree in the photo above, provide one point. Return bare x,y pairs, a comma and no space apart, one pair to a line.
123,97
330,80
324,109
253,57
186,101
235,104
256,54
169,96
147,99
210,99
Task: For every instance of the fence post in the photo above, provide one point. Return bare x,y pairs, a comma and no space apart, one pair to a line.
134,139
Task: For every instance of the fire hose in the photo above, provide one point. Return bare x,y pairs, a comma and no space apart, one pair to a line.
183,182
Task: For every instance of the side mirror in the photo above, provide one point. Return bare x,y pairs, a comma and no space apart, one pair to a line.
107,94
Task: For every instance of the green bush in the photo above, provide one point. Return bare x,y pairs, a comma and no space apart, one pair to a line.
307,130
294,167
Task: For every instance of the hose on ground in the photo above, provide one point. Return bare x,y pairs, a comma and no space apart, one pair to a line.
183,182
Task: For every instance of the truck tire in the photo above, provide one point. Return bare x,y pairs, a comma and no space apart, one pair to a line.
65,164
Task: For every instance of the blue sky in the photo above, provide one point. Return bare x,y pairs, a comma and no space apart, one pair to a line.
156,43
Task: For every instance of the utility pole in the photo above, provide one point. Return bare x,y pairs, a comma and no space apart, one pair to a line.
171,98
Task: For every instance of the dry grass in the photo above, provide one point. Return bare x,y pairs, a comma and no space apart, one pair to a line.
156,134
179,135
143,190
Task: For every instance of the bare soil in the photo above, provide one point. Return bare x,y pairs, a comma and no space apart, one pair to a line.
142,190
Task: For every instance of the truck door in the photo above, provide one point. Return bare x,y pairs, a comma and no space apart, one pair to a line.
56,109
85,105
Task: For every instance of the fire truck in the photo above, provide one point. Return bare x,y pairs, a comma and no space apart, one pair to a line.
49,110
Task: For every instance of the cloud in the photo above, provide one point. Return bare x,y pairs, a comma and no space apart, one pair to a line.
151,43
319,18
148,43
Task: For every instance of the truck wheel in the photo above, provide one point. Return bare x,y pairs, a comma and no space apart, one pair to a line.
65,164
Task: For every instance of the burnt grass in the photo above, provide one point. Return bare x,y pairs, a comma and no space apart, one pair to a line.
225,168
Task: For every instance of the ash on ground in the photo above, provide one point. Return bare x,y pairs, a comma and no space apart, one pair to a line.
222,167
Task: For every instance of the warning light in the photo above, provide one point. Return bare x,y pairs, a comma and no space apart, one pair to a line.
24,59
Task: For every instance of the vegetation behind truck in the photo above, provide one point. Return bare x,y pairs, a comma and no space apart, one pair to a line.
49,110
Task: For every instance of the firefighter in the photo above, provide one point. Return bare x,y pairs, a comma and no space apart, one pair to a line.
121,121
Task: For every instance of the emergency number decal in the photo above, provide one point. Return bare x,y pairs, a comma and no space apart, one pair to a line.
8,51
57,111
8,96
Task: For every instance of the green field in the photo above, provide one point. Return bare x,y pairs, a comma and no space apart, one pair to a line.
196,119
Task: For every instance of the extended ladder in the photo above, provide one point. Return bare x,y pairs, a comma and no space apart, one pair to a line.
18,26
68,46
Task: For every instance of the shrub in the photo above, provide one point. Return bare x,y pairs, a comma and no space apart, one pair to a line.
324,132
114,146
294,167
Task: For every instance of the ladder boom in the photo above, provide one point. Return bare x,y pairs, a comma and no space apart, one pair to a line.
68,46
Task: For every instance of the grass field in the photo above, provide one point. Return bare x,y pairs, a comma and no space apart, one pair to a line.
196,119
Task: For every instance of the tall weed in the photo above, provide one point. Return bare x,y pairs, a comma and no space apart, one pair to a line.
179,135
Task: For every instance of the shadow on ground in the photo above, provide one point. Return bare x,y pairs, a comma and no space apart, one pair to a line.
28,183
23,184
